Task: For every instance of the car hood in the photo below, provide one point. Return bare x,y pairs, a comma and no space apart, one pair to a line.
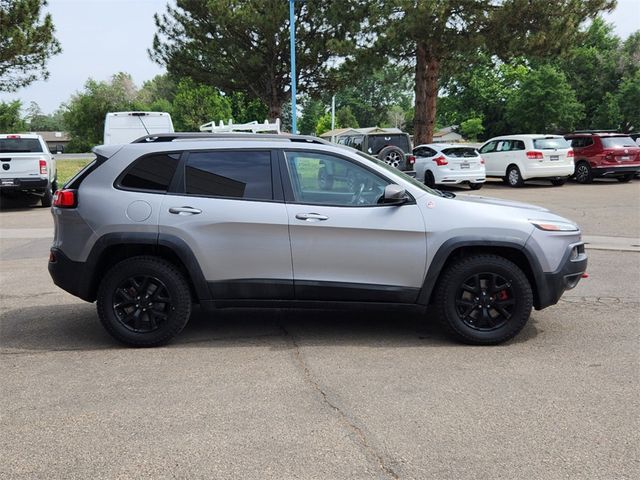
499,202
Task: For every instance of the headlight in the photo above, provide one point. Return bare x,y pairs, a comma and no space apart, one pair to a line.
554,226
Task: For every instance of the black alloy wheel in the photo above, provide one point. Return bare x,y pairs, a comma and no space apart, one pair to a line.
485,301
583,173
142,303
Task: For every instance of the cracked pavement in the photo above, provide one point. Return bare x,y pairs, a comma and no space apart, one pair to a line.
284,394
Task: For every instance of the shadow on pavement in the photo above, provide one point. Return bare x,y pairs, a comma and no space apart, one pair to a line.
19,202
76,327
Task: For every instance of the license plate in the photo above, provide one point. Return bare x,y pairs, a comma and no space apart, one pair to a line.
554,158
6,181
625,158
465,165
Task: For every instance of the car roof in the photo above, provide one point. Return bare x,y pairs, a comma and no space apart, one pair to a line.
19,135
597,134
442,146
525,135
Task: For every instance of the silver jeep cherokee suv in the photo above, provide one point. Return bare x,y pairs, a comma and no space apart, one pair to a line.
152,227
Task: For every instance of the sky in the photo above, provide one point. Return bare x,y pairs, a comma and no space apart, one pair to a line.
102,37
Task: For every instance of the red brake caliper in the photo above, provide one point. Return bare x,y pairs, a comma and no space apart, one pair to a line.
503,295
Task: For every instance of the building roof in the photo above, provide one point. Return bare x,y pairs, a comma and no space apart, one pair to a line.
54,136
337,132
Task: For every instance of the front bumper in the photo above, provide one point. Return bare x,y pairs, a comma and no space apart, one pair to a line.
552,285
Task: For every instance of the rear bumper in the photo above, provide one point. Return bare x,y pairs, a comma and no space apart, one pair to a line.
453,177
69,275
23,184
552,285
547,171
615,171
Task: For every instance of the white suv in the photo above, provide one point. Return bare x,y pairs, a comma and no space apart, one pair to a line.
445,164
516,158
27,166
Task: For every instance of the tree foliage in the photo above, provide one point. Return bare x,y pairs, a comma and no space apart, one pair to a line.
195,104
243,45
10,120
26,43
471,128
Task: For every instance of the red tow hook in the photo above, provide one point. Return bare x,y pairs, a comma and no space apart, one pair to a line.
585,275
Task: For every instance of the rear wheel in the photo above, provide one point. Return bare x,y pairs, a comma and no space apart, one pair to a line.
429,179
393,156
475,186
47,197
144,301
625,178
583,173
514,178
483,299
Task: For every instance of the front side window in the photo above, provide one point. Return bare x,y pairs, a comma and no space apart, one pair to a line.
488,148
238,174
323,179
152,172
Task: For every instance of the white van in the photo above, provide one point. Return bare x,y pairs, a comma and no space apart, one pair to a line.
124,127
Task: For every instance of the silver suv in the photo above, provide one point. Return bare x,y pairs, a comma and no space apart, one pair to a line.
152,227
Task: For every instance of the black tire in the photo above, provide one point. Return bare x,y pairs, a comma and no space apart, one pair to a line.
325,180
514,177
492,313
429,179
625,178
47,197
393,156
475,186
583,173
123,298
558,182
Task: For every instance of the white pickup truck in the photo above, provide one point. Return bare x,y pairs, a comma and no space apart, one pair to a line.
27,166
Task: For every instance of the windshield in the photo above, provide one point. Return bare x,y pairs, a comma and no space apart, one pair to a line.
404,176
378,142
618,142
552,143
20,145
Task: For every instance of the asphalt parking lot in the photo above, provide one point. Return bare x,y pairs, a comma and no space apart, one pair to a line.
251,394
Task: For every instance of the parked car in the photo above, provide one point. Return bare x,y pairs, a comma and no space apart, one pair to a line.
392,148
27,167
598,154
448,164
148,228
516,158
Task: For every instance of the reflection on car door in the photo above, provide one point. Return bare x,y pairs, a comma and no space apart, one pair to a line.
345,245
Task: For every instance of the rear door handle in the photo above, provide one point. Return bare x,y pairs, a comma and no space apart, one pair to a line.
185,210
311,217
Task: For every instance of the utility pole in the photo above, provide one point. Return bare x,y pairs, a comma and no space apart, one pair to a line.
333,112
292,35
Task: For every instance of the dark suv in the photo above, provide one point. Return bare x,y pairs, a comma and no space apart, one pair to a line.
599,154
392,148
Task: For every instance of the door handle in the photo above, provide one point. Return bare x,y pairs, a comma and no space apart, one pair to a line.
311,217
185,210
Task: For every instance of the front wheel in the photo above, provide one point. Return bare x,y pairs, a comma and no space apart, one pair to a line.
483,299
144,301
475,186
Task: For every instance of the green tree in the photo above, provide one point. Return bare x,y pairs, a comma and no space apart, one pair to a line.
442,36
607,114
246,109
545,103
157,94
26,43
311,113
345,118
40,122
629,101
324,124
471,128
196,104
243,45
85,113
10,120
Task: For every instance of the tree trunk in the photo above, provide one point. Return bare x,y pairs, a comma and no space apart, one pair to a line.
427,73
420,116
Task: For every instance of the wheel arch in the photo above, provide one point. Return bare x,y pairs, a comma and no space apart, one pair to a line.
455,249
113,248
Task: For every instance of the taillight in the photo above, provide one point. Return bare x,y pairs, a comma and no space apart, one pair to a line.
481,161
570,154
43,167
411,159
65,199
440,161
609,156
534,155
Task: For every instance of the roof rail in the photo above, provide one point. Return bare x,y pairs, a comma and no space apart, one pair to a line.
597,131
170,137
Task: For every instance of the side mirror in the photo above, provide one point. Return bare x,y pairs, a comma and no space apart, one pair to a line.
394,195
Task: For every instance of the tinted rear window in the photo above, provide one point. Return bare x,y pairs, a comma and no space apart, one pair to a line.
460,152
378,142
20,145
617,142
550,143
230,174
153,172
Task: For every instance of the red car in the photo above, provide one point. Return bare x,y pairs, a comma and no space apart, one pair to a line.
613,155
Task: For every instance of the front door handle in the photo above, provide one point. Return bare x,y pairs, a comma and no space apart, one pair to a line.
185,210
311,217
